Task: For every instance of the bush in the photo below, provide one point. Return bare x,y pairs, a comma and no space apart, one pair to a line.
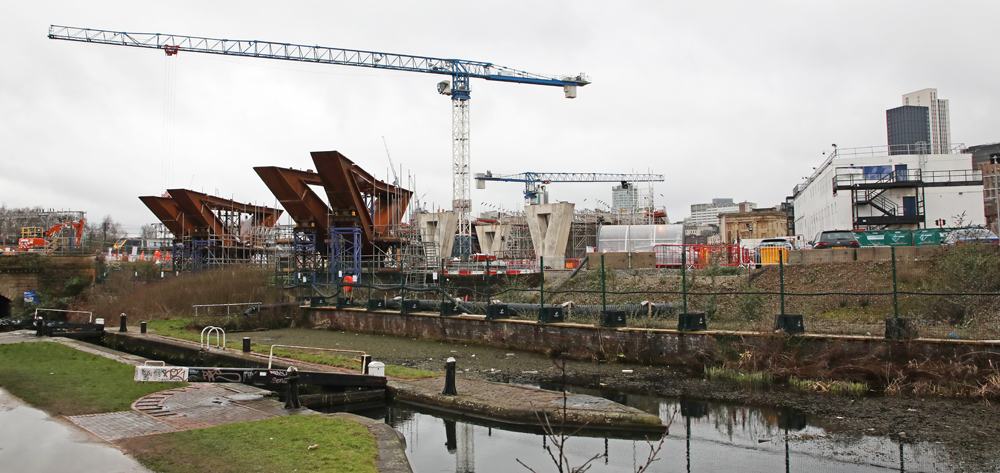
749,307
966,268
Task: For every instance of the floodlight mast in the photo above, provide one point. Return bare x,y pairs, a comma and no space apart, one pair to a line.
461,72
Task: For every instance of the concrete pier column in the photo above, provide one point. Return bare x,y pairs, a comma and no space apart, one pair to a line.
549,225
439,228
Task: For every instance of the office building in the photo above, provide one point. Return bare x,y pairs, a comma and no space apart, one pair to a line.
920,126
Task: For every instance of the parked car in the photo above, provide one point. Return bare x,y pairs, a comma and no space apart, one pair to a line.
835,239
971,235
772,242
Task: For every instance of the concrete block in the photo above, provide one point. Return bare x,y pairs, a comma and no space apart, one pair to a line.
841,255
634,260
878,253
795,256
925,252
905,253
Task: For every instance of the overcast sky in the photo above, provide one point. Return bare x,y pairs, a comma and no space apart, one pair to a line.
726,99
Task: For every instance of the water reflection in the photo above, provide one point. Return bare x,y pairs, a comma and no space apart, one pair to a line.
714,437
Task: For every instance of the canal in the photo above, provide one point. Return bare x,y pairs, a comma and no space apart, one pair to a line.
703,436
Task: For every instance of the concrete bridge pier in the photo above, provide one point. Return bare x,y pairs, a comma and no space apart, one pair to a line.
549,225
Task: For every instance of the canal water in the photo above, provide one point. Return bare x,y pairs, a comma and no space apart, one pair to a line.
703,437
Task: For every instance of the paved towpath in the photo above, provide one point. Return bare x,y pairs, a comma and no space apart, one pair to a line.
195,406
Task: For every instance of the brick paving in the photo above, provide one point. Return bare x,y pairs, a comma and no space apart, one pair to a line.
192,407
199,406
119,425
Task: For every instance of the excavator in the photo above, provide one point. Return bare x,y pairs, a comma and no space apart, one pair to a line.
33,239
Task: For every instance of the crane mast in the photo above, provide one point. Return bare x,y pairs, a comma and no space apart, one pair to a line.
461,72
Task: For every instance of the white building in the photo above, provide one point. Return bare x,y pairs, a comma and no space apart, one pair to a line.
939,123
708,214
869,189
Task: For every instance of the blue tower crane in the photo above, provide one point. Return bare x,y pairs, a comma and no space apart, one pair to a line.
460,70
533,180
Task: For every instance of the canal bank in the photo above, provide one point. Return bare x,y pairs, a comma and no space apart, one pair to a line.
515,407
647,345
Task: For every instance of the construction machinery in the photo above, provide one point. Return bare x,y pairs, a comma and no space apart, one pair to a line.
534,181
461,72
61,236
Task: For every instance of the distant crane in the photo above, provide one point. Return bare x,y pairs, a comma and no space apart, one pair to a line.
461,71
533,180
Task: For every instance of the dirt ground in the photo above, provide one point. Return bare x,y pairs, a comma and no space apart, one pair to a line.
968,429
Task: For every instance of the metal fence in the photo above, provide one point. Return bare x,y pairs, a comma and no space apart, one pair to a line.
747,298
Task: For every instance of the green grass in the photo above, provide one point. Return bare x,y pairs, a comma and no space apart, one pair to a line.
279,444
65,381
840,388
748,379
176,328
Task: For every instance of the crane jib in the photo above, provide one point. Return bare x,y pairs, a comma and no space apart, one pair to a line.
173,44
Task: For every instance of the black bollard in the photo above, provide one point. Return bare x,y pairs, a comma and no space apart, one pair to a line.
142,327
292,400
246,344
365,361
122,328
449,378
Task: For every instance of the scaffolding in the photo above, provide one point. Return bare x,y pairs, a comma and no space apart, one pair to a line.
210,232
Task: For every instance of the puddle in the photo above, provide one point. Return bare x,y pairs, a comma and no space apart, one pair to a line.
31,441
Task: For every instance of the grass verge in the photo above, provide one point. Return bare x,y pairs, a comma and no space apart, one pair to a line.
65,381
177,328
279,444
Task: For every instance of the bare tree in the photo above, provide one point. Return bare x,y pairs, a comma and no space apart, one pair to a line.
147,231
557,437
107,231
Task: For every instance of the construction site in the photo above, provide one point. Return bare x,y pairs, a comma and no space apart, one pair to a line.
348,223
363,224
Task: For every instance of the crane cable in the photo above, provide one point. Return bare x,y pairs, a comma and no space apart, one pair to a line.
169,120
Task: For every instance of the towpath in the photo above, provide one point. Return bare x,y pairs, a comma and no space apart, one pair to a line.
196,406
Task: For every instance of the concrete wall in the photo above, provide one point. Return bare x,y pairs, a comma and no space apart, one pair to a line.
439,228
549,225
655,346
882,253
492,238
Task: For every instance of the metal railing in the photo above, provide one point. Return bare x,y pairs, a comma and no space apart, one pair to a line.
90,315
270,357
219,333
227,306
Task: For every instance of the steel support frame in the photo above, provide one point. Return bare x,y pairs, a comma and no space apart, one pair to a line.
305,257
345,251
